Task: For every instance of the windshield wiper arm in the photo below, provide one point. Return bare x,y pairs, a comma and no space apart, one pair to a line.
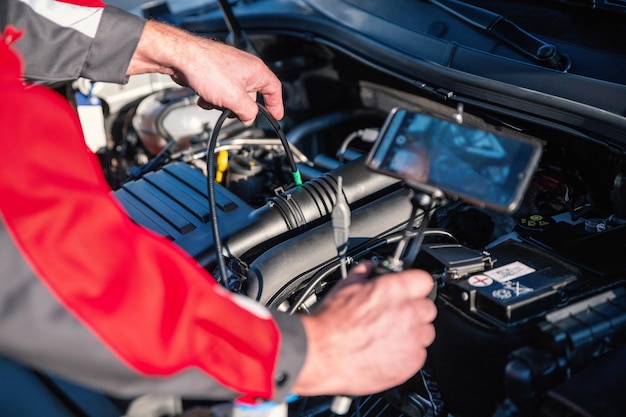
497,25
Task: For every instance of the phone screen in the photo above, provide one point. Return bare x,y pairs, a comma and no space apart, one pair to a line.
484,167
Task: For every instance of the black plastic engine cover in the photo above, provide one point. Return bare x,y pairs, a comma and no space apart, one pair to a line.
173,202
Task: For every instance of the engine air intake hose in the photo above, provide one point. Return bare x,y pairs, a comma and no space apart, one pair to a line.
302,207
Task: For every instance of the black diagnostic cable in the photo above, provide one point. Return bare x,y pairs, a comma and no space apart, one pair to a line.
295,173
210,162
319,277
210,180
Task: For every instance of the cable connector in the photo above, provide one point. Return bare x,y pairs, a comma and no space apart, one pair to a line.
341,405
297,177
369,134
341,225
340,216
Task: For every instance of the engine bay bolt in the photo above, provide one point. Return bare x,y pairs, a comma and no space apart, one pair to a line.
595,225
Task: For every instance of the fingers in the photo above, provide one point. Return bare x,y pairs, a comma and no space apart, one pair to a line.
410,287
370,335
428,332
228,78
246,110
204,104
412,283
245,107
249,78
273,98
361,271
428,311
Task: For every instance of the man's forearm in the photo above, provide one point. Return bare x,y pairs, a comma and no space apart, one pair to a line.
222,75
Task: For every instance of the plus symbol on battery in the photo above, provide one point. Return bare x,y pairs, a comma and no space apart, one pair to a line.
480,281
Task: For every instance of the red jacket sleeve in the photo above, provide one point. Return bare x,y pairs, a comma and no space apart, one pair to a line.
153,305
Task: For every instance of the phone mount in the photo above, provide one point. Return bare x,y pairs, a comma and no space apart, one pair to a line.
453,156
408,247
424,201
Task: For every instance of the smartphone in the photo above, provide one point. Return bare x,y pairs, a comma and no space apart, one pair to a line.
483,166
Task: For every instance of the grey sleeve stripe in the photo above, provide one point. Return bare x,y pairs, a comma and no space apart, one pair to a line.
37,331
293,350
113,47
55,53
83,19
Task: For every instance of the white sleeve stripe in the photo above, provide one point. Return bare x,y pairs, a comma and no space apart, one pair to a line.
80,18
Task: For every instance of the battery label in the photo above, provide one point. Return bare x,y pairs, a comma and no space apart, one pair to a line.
509,272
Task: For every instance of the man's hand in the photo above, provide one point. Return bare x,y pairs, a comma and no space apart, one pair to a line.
368,335
223,76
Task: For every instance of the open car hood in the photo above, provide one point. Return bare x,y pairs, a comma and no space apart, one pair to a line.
438,51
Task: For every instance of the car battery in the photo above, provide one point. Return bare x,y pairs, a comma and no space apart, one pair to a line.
510,285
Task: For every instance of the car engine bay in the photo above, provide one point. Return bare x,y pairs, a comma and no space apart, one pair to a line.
532,305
